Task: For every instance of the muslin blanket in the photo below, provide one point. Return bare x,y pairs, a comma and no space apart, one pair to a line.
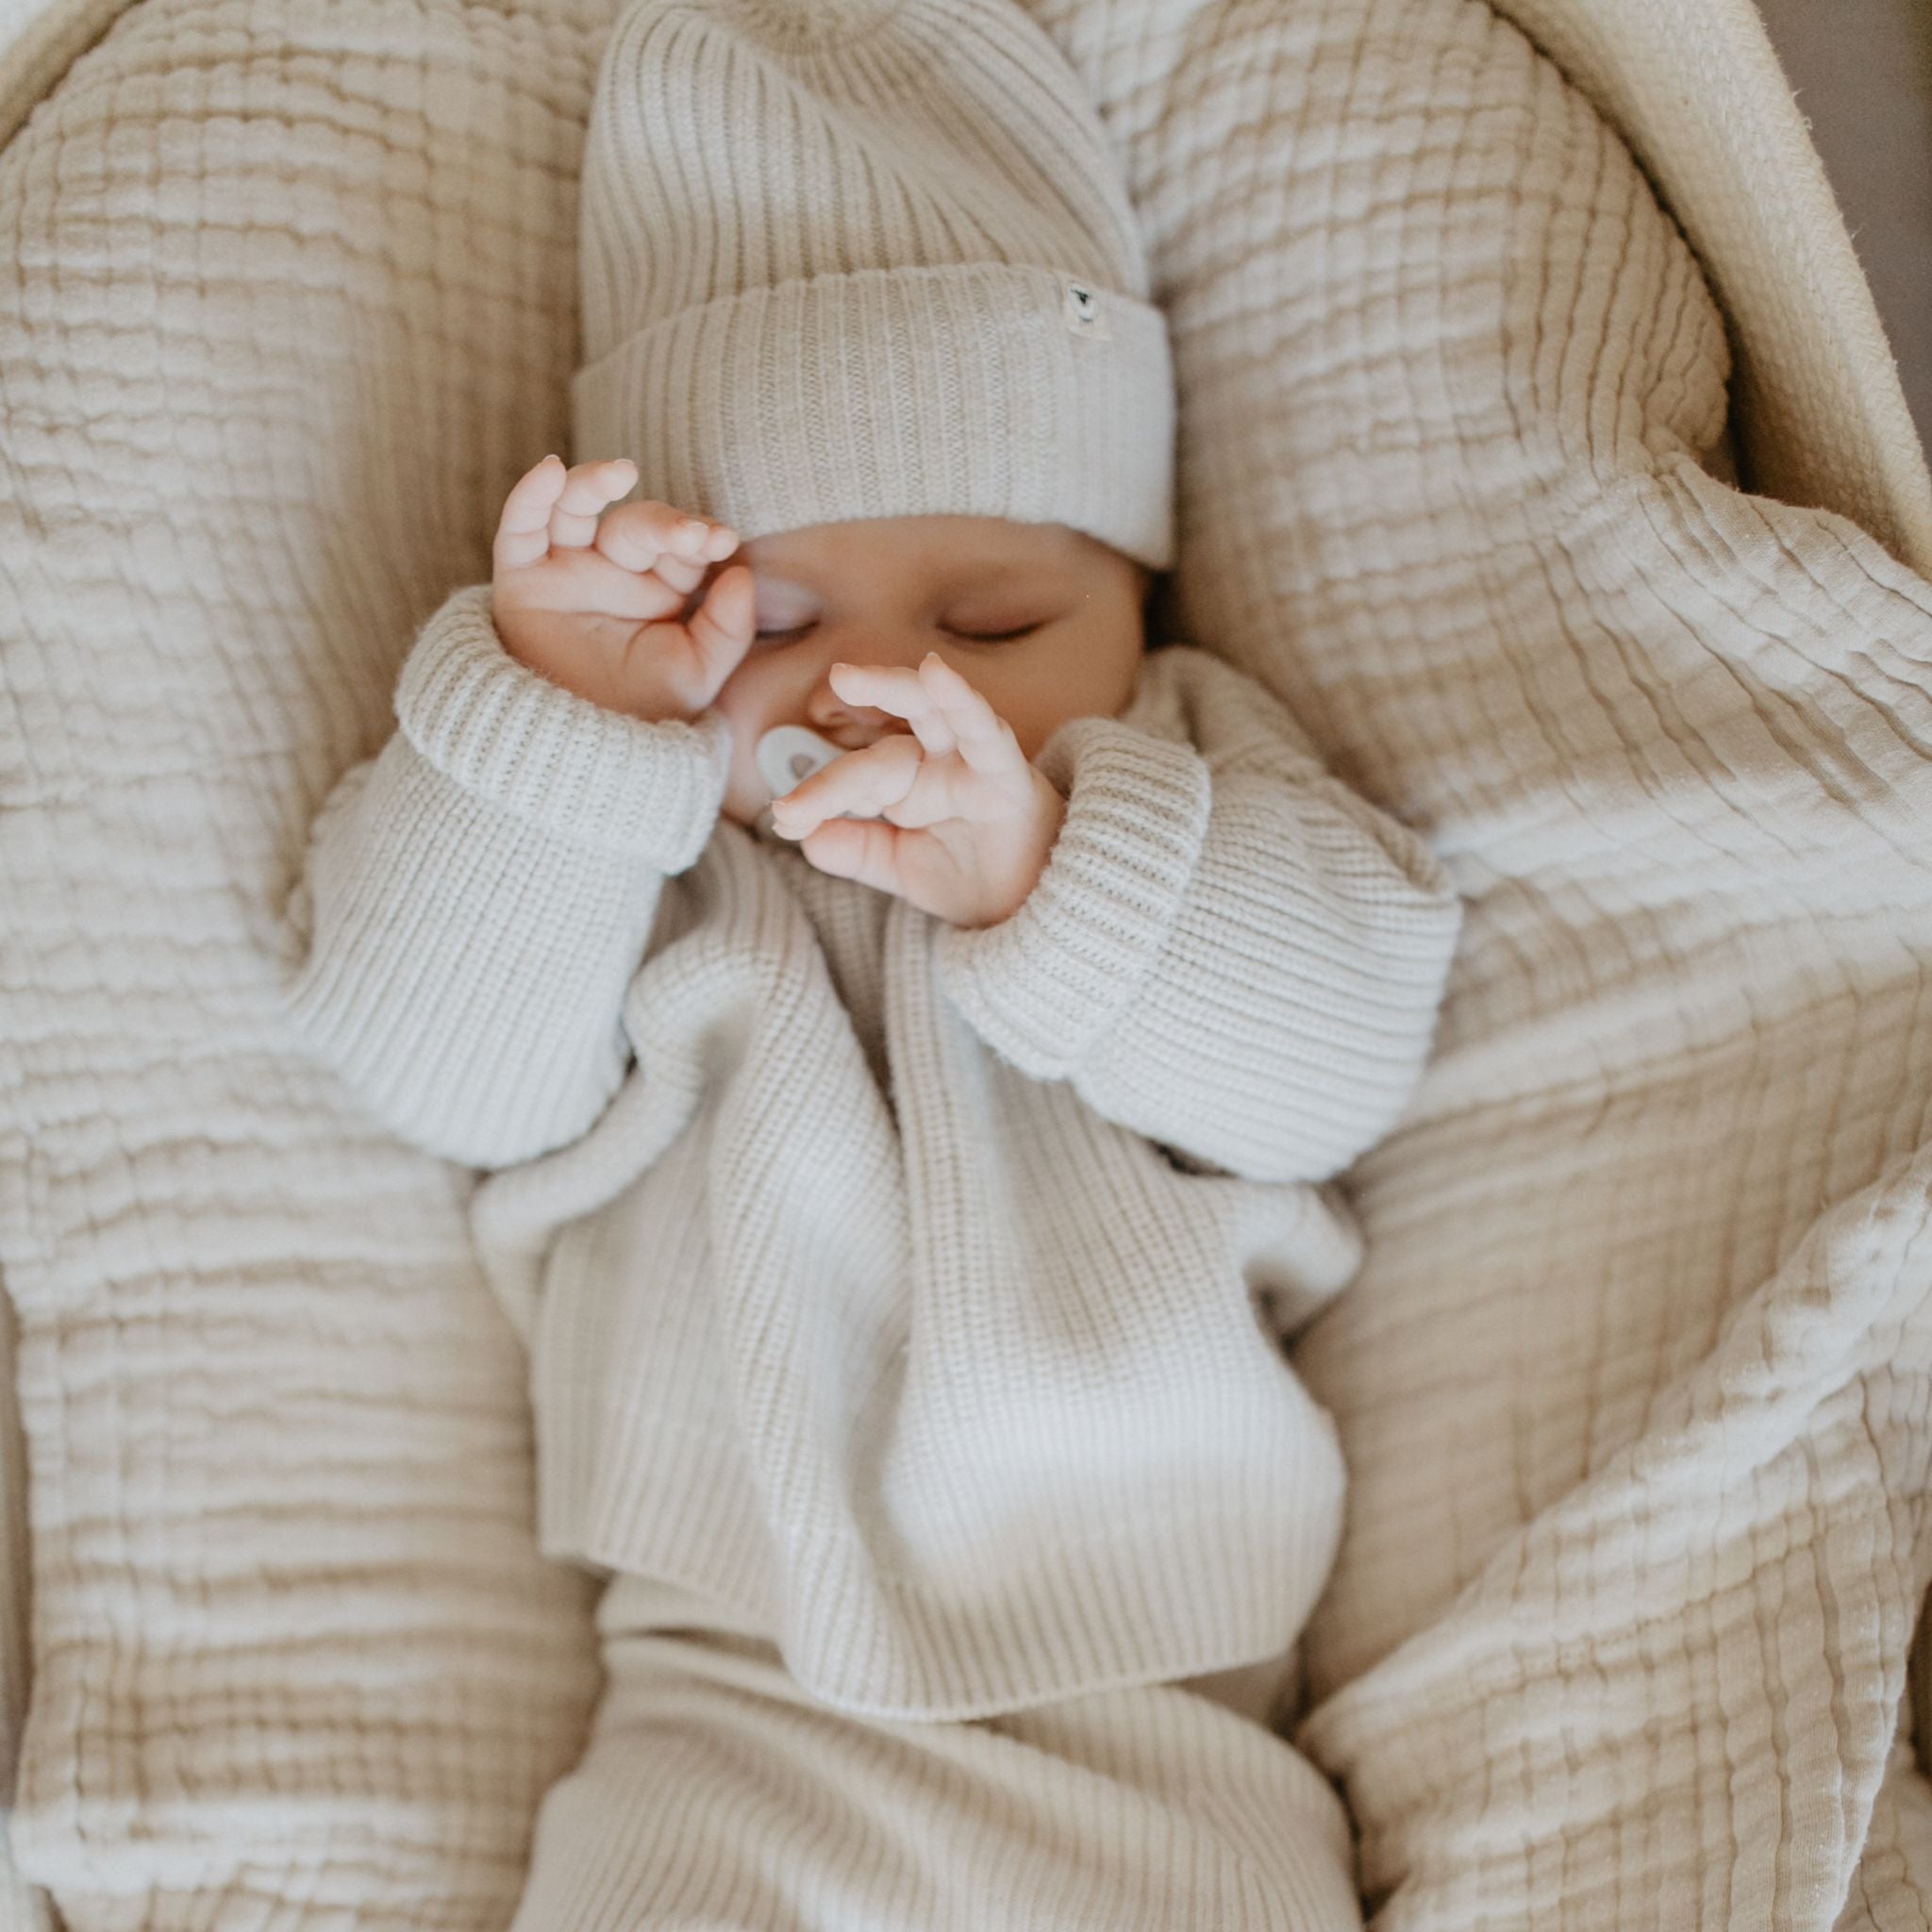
1636,1391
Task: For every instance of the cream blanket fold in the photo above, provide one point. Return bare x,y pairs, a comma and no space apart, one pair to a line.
1635,1384
1633,1390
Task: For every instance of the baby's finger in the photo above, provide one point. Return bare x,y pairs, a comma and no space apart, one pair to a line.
586,491
894,688
656,537
862,849
726,623
860,783
985,740
523,531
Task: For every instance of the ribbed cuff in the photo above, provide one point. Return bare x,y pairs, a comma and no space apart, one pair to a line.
573,768
1045,984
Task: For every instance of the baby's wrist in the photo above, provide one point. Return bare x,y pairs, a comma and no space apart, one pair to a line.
547,651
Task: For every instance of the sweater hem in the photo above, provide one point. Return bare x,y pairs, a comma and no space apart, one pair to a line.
1230,1586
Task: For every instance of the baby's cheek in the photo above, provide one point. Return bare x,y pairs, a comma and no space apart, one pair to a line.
744,790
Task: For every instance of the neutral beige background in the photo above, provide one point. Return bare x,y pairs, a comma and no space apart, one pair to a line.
1862,74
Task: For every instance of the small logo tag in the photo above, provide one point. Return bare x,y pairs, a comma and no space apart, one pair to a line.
1084,315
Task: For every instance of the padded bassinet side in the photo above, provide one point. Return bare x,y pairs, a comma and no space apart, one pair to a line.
21,1905
1698,93
286,302
39,40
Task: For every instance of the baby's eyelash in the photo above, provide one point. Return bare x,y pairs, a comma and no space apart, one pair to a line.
991,637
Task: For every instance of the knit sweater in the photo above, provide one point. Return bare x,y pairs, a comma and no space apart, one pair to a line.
917,1289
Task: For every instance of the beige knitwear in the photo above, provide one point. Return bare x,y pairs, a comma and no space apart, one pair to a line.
866,259
902,1296
715,1792
886,1281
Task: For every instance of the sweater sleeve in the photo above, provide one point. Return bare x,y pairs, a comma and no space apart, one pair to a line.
1228,951
477,896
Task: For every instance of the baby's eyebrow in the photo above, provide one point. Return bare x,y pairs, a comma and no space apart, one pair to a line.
980,571
962,574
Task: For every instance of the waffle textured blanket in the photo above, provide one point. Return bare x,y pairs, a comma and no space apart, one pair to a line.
1634,1390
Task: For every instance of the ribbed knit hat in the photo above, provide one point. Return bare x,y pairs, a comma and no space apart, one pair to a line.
847,259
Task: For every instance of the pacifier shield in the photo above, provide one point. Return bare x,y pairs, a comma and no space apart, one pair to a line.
788,754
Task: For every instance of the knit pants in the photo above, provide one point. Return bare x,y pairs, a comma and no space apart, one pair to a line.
714,1793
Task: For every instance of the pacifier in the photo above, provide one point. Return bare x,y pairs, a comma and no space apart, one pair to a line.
788,754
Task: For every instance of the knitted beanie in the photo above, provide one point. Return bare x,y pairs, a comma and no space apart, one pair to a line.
849,258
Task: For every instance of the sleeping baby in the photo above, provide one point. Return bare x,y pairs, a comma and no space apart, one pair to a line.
907,1023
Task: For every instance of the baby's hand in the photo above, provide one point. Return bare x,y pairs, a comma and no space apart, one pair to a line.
594,606
981,818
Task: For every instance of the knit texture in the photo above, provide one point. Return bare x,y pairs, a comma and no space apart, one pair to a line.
890,1329
1637,1528
867,261
1124,1811
1818,413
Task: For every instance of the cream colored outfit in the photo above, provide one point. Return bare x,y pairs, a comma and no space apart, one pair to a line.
907,1296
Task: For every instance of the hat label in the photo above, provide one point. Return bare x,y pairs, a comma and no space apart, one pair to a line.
1080,306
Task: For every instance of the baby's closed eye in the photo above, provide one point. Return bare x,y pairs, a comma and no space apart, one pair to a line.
769,633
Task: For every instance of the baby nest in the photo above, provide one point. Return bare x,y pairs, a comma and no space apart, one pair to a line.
1633,1387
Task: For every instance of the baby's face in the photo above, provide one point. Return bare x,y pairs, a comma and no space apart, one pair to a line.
888,590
